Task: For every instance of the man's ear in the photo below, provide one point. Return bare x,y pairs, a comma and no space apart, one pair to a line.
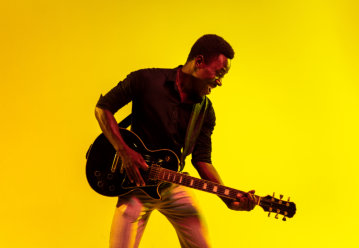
199,61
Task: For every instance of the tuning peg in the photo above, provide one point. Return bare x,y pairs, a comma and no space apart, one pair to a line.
273,194
276,216
284,218
270,210
287,204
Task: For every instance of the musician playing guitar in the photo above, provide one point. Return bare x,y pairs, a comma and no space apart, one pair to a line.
163,103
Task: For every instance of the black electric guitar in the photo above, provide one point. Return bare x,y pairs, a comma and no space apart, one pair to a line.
104,174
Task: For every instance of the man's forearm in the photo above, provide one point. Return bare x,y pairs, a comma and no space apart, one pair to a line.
109,127
208,172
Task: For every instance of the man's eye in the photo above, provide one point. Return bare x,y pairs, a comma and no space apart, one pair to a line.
221,74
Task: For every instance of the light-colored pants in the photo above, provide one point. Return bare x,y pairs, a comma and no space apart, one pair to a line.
133,211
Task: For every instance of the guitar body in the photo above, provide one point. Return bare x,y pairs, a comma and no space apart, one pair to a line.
103,168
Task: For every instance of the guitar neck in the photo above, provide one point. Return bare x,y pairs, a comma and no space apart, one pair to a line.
170,176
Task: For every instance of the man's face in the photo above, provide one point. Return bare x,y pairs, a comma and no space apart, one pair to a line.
209,75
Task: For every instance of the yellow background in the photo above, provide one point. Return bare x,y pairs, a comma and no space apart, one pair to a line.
287,115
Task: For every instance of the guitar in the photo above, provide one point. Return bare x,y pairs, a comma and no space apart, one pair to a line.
104,174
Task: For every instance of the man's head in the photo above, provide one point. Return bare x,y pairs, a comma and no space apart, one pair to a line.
208,62
210,46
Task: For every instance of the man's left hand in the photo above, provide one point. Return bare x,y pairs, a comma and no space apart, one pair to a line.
245,202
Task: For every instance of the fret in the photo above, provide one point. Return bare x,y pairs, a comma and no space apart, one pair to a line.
195,184
204,185
221,189
199,185
209,187
184,180
187,180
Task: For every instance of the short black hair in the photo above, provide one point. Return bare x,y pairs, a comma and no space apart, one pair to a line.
210,45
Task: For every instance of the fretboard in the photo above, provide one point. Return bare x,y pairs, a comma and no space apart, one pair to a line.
159,173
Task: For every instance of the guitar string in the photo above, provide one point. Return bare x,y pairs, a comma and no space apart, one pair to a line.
160,174
186,180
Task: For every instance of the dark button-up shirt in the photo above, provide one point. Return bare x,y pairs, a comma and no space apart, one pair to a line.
159,117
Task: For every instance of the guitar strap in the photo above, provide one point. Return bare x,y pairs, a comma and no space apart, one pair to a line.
125,123
193,129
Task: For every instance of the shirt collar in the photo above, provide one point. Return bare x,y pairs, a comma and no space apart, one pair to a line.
172,76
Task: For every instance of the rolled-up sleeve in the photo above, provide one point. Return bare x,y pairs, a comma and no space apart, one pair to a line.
203,148
121,94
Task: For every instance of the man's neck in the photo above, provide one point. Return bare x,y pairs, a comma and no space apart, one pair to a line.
185,84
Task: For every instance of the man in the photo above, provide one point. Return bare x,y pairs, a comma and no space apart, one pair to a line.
162,105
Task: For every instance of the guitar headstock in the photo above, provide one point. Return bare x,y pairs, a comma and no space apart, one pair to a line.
278,206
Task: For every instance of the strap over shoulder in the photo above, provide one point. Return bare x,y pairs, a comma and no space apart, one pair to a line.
125,123
193,128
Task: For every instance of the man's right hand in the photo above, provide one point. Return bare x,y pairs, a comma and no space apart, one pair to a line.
132,162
